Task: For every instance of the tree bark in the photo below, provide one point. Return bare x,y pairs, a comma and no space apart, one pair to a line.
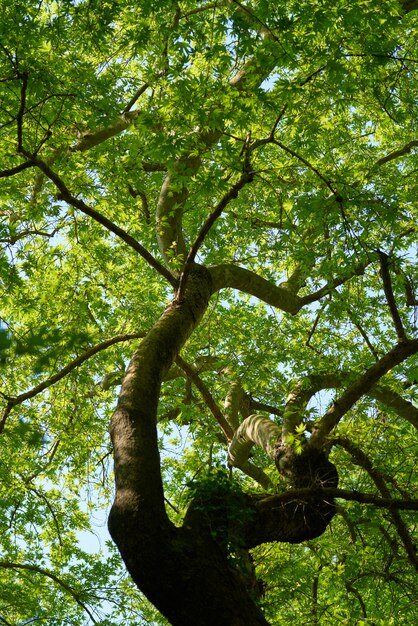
186,572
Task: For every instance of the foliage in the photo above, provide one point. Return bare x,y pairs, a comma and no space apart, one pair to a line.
289,129
222,504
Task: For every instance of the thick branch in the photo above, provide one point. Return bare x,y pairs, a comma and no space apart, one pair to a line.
139,497
401,151
404,408
299,396
303,390
345,494
232,403
254,430
360,387
90,139
169,215
234,277
409,5
281,297
15,170
259,67
171,202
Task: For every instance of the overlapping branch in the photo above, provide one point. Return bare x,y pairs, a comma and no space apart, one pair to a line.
268,502
387,286
245,178
245,465
304,389
207,397
171,201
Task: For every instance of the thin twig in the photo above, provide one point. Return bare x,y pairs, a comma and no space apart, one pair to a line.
21,112
310,166
52,576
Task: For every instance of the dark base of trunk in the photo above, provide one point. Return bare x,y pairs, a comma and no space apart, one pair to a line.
192,574
187,576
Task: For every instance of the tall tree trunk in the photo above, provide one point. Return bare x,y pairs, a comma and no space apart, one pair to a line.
183,571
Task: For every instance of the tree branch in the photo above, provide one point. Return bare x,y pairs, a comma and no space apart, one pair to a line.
52,576
245,178
261,406
201,9
66,195
15,170
281,297
14,401
309,166
361,459
409,5
358,270
90,139
387,286
247,467
135,97
207,397
256,473
232,403
21,112
254,430
398,153
268,502
360,387
234,277
171,203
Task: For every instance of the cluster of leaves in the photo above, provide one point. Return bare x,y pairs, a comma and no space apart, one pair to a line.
223,505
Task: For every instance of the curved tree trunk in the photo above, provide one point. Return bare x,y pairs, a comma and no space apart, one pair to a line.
183,571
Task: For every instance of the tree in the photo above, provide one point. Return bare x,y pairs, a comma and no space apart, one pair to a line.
222,195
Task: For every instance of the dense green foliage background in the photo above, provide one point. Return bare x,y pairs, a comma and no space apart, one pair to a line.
319,99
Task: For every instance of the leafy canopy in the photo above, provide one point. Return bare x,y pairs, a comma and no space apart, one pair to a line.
123,126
